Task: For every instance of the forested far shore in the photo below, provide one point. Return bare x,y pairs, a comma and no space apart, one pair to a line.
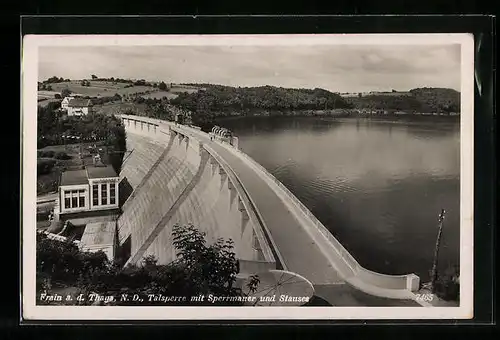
200,104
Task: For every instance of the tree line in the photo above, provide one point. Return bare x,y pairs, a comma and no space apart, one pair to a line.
219,101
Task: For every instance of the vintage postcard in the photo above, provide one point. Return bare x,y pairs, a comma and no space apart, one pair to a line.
247,177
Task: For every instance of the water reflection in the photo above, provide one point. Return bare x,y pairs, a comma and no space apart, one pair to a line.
376,186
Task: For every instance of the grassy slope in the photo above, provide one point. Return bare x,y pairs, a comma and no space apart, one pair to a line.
100,88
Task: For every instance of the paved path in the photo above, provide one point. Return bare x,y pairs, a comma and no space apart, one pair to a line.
46,198
300,253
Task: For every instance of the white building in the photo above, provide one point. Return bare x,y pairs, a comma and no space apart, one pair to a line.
94,188
79,106
65,102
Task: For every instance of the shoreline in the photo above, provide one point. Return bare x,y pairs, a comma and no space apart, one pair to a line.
389,119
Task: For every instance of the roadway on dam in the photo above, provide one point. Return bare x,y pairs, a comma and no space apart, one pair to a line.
298,251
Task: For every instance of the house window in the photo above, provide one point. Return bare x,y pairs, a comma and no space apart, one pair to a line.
104,194
112,194
81,198
67,200
74,199
95,194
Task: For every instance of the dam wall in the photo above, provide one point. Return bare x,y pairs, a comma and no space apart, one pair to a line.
188,183
339,259
141,154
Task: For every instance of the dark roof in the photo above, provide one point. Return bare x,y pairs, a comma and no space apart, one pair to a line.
74,177
101,171
79,102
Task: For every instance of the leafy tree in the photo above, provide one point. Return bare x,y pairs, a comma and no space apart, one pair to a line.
116,139
54,79
57,96
212,269
448,284
199,269
162,86
94,76
63,262
44,166
65,92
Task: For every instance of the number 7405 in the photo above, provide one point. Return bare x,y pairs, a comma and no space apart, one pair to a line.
424,297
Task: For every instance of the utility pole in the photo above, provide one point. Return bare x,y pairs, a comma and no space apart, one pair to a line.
436,251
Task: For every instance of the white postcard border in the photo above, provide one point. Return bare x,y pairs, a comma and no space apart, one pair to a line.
29,74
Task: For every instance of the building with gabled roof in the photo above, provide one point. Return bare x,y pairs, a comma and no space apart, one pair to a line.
79,106
65,102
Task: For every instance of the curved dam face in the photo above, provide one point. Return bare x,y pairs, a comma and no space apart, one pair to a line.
184,184
178,175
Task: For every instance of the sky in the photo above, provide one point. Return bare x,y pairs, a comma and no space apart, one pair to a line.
336,68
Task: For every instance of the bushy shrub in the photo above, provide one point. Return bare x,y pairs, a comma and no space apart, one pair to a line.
46,153
199,269
44,166
62,155
448,284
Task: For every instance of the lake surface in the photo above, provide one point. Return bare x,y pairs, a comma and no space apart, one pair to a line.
377,186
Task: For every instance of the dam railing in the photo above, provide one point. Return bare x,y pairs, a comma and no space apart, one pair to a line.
392,286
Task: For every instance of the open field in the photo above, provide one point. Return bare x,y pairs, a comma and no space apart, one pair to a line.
46,102
181,89
119,108
100,88
47,94
160,95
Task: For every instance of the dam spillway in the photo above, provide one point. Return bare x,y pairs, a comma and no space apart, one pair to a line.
192,179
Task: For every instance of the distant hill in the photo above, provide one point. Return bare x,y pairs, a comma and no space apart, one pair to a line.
213,101
421,100
222,98
438,98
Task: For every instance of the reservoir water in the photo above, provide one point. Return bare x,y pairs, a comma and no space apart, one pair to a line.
378,186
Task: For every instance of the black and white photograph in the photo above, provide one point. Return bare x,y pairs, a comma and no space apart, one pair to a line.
249,177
